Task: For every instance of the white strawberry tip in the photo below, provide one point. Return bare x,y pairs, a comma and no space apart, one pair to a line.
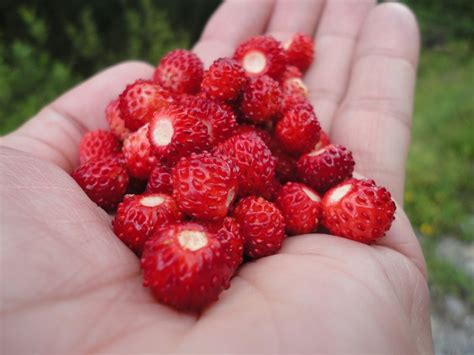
230,198
287,44
299,83
317,152
254,62
152,201
335,195
163,131
311,195
192,240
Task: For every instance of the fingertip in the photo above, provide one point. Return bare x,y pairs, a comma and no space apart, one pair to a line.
392,28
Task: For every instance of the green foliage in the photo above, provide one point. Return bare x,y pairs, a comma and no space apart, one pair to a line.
440,192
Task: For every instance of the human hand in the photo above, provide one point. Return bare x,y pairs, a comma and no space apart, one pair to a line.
70,286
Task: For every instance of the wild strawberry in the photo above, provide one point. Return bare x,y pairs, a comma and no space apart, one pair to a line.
219,118
204,186
300,206
270,192
180,71
140,100
139,157
323,141
261,99
115,120
160,180
326,167
358,210
261,133
103,180
98,144
285,165
292,101
224,80
256,166
228,233
261,55
298,131
173,134
138,215
262,226
300,51
292,82
185,266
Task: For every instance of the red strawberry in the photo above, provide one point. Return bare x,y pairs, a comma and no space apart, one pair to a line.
204,186
262,134
180,71
292,82
300,51
139,157
185,266
160,180
218,117
271,190
98,144
115,120
138,215
261,55
103,180
301,207
298,131
140,100
358,210
261,224
255,163
173,134
224,80
228,233
326,167
261,99
323,141
285,168
295,101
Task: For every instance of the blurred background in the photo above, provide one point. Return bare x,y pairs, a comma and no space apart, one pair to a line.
48,46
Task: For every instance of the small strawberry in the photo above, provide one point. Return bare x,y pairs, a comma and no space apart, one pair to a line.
261,224
270,192
103,180
261,99
298,131
254,160
204,186
185,266
224,80
160,180
98,144
180,71
261,133
261,55
326,167
323,141
115,120
219,118
138,215
173,133
228,233
300,206
292,82
300,51
139,157
140,100
358,210
285,168
292,101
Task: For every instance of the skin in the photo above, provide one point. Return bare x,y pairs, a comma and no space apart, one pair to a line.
73,287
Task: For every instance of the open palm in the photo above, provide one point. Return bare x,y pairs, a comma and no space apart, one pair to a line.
70,286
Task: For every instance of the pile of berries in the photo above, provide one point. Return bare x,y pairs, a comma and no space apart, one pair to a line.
204,168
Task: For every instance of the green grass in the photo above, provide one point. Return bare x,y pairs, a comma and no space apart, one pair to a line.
440,190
